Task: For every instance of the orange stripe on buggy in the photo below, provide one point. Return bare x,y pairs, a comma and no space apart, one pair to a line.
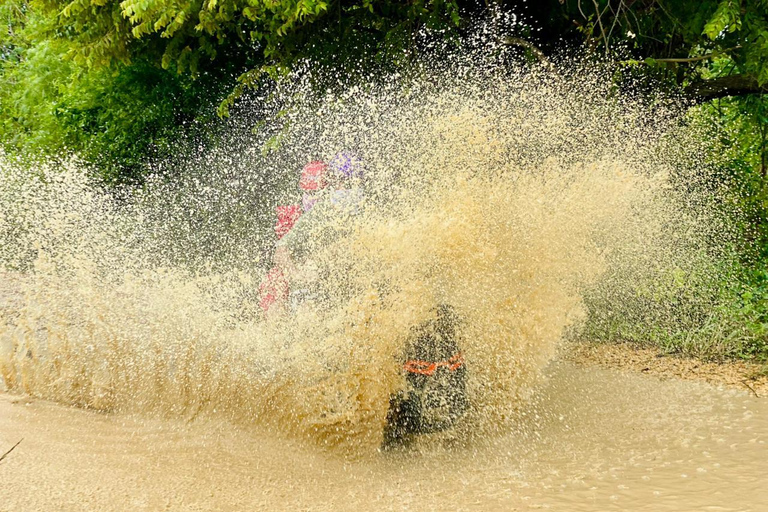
428,368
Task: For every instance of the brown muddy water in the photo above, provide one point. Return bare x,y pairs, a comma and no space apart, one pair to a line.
592,439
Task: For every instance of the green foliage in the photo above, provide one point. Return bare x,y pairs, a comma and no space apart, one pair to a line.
678,37
703,48
124,119
115,118
186,35
708,316
743,26
737,129
119,81
727,18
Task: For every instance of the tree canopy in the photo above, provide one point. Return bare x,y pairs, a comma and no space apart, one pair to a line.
117,81
692,39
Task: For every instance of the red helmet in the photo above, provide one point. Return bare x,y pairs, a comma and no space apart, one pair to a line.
286,217
313,176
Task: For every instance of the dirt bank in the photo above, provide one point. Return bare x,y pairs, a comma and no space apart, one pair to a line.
735,374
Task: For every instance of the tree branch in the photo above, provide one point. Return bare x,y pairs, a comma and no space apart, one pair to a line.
701,57
12,448
516,41
600,24
734,85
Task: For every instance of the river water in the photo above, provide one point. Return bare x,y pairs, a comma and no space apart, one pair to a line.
591,439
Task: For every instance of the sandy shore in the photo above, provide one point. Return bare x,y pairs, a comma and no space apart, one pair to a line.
734,374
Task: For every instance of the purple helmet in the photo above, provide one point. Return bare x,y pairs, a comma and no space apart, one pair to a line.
346,165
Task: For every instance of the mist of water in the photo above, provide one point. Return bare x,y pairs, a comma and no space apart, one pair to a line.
505,192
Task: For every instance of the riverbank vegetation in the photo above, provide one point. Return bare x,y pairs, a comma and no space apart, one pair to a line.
123,84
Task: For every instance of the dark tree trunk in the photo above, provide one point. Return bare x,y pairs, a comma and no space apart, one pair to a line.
735,85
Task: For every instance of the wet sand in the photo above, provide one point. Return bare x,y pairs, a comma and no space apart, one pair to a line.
594,439
744,375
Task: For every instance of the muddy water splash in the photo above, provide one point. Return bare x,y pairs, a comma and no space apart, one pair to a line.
505,194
